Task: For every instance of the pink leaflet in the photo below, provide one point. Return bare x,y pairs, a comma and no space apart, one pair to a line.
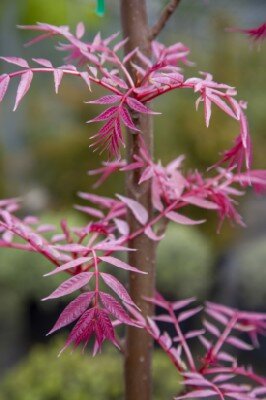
109,99
43,62
4,82
73,311
152,235
114,308
182,219
86,77
80,30
238,343
122,226
82,330
136,208
90,210
117,287
71,285
23,86
71,264
139,107
200,202
183,316
58,75
17,61
182,303
105,114
120,264
127,120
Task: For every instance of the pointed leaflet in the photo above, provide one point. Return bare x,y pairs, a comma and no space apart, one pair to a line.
182,219
105,325
83,328
23,86
139,212
139,107
86,77
4,82
109,99
105,114
58,75
43,62
114,308
17,61
80,30
73,311
117,287
120,264
71,264
71,285
127,119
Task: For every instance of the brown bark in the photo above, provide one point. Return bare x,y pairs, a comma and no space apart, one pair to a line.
139,345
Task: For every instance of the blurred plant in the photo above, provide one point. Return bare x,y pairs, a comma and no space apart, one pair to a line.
157,195
43,377
189,257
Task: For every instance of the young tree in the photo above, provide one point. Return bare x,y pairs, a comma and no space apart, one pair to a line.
136,222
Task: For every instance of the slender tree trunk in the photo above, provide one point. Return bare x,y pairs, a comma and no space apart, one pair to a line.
138,343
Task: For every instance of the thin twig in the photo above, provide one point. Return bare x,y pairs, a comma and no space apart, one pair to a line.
165,15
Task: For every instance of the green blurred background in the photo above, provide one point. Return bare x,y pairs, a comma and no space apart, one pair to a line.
44,156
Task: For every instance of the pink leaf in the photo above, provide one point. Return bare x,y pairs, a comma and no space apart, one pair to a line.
139,107
105,114
122,226
127,119
80,30
115,308
4,82
71,264
182,219
182,303
43,62
109,99
188,314
86,77
152,235
197,201
73,311
238,343
71,285
17,61
221,104
117,287
58,75
139,212
23,87
90,210
120,264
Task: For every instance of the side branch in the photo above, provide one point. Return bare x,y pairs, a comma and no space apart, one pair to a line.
165,15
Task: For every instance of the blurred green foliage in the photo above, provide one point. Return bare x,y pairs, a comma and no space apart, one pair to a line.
251,272
43,376
185,260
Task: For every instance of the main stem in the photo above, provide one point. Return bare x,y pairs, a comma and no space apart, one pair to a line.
139,344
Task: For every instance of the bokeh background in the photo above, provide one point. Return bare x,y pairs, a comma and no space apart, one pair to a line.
44,156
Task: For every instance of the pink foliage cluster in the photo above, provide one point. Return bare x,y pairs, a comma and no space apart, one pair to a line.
80,251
